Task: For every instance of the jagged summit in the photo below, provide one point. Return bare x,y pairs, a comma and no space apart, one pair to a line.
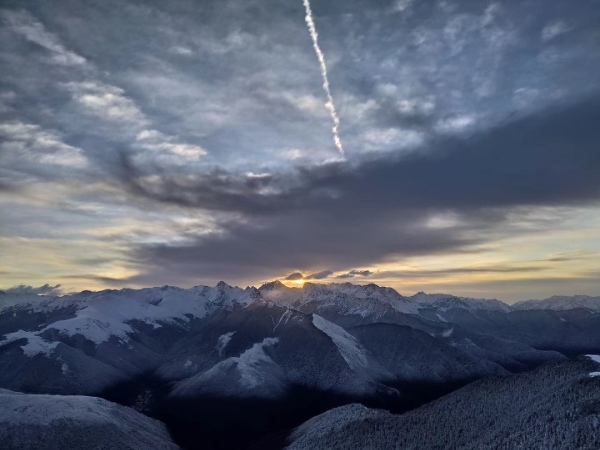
272,285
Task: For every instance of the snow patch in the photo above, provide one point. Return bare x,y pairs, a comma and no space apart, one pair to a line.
36,345
223,341
352,352
250,361
595,358
286,315
441,318
447,333
94,325
249,366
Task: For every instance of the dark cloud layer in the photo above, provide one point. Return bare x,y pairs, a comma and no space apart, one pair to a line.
294,276
319,275
354,273
339,215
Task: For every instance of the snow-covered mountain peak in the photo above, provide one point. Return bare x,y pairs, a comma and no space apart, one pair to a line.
446,301
561,303
362,299
98,316
273,286
279,294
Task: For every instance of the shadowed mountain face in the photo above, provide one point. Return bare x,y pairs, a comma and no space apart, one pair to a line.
222,365
555,406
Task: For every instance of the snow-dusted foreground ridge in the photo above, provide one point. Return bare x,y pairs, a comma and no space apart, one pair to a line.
553,407
54,422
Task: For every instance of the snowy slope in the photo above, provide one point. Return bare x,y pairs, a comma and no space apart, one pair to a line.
355,355
101,315
252,374
53,422
301,349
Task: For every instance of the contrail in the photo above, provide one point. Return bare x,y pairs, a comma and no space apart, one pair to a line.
329,105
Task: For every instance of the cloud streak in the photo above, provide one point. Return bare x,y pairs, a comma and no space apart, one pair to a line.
329,105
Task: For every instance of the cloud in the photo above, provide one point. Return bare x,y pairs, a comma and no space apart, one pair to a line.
515,164
574,256
319,275
440,273
353,273
329,105
553,30
400,6
455,124
161,144
171,108
24,24
46,289
106,101
345,216
24,142
294,276
183,51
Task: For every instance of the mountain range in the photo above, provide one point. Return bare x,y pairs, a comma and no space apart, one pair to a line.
222,365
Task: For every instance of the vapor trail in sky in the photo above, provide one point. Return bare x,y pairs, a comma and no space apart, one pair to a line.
329,105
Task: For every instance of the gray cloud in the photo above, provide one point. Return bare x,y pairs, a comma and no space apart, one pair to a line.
319,275
411,274
46,289
522,162
353,273
340,215
294,276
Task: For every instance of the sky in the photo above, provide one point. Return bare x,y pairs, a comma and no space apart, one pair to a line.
145,143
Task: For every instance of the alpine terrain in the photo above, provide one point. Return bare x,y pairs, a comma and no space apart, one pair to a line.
224,367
